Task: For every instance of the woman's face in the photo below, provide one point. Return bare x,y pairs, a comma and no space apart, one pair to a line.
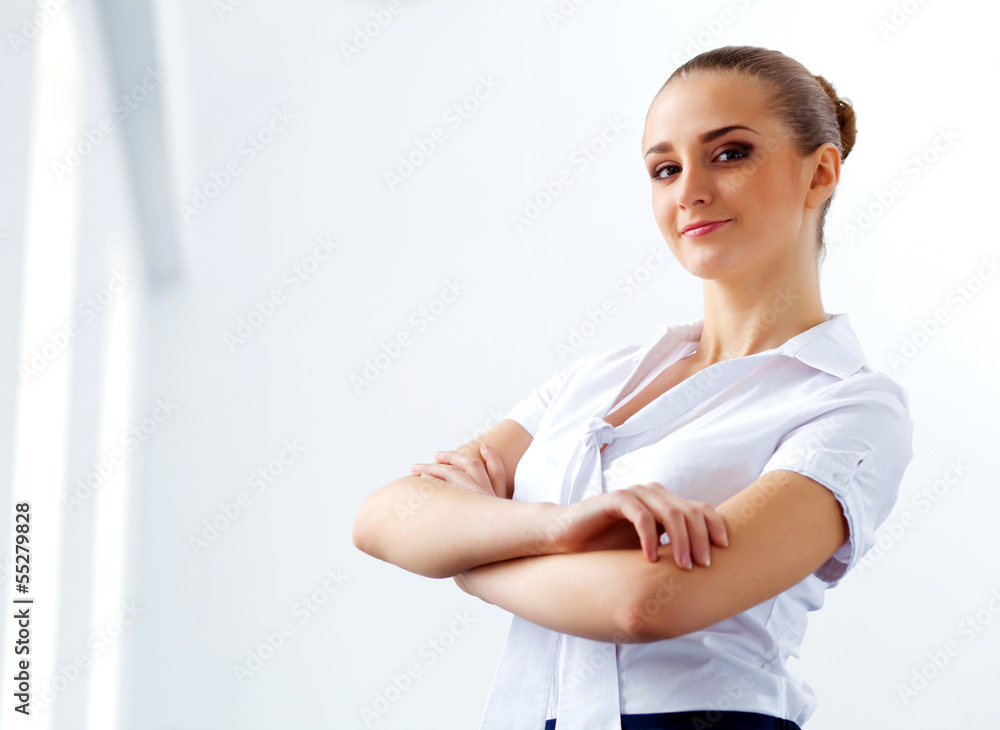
754,180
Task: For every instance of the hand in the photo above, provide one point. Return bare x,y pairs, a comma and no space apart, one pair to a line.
460,580
463,579
466,472
596,523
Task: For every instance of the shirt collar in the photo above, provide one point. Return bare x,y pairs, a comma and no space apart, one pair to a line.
831,346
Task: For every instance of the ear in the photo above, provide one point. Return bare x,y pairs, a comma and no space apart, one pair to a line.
826,173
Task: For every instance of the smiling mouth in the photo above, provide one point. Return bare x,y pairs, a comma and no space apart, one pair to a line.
704,230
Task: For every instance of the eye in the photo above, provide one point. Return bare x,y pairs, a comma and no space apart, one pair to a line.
657,171
742,151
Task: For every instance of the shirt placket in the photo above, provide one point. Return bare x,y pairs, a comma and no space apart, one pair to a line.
589,696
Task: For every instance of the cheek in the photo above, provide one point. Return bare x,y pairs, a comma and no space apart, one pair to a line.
763,199
780,185
663,207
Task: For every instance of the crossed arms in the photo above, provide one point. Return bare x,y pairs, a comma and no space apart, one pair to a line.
781,528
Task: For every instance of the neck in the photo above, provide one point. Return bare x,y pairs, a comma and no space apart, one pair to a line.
759,312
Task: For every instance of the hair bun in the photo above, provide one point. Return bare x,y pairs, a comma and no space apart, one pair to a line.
845,118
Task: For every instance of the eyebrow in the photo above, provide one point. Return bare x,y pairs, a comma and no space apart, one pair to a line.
706,137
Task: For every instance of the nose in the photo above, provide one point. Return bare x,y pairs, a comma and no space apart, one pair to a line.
695,188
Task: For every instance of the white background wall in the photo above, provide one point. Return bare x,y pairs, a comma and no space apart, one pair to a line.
323,176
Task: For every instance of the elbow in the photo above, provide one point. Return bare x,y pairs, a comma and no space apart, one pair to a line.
648,614
362,530
357,535
366,532
638,626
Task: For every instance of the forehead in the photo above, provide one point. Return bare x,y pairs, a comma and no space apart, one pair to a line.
702,102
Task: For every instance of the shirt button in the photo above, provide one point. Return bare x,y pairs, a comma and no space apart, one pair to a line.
840,479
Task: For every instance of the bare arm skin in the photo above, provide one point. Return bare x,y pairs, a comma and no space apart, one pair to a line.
781,528
432,529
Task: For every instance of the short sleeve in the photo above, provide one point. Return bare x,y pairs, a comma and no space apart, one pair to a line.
857,442
529,411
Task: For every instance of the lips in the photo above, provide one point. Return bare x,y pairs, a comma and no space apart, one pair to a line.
702,228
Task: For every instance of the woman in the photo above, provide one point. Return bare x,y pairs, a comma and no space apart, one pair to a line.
757,440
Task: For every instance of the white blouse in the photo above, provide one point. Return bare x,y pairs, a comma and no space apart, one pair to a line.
811,405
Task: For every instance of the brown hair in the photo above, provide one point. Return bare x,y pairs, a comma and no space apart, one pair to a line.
807,105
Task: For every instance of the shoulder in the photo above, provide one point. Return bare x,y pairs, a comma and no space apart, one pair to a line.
609,362
866,388
610,359
856,426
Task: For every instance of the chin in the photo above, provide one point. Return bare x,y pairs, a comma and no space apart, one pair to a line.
709,264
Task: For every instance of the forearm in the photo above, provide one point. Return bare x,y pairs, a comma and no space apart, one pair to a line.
585,594
438,531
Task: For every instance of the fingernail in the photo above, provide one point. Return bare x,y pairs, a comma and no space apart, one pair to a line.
687,561
725,540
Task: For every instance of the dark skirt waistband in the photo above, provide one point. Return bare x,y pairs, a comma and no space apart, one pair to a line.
700,720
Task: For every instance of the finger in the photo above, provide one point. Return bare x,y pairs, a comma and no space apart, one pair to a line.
635,511
428,477
674,523
697,546
717,528
665,510
697,526
495,468
469,464
450,474
704,527
685,523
